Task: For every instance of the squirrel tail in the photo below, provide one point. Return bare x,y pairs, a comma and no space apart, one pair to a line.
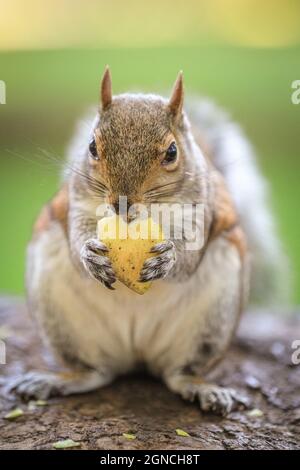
233,156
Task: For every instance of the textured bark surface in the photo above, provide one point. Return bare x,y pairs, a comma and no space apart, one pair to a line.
258,364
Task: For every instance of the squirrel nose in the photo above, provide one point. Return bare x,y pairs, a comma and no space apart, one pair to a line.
121,208
117,207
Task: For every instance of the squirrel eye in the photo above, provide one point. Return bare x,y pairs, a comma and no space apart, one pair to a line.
171,154
93,150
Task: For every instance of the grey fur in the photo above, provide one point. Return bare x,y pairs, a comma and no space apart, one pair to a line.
188,318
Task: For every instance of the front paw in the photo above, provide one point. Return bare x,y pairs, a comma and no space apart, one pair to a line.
159,266
96,263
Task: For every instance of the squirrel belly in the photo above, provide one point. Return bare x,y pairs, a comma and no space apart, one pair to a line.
168,328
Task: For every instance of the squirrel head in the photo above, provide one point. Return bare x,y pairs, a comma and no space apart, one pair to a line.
139,148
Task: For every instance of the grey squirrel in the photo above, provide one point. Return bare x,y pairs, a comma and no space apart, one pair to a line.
146,148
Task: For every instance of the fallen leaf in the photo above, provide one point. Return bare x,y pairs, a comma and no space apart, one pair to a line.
41,403
131,437
14,414
32,405
182,433
66,444
255,413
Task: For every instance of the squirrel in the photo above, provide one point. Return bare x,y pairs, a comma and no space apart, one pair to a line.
151,150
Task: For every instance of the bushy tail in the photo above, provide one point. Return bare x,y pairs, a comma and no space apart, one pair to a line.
234,158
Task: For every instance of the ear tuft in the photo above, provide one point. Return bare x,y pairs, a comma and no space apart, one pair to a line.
176,100
106,89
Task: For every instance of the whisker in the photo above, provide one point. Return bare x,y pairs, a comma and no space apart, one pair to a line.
45,157
164,190
160,187
93,183
28,160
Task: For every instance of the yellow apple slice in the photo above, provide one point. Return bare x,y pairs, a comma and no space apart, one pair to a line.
129,247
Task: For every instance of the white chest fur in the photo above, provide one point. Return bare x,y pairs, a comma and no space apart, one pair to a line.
118,330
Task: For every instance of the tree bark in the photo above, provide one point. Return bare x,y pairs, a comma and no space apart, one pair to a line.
258,364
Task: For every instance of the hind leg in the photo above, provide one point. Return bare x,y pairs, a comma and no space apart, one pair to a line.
211,397
42,385
223,271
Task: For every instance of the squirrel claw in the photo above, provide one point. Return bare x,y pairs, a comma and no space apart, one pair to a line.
212,398
109,286
162,247
96,246
158,267
96,264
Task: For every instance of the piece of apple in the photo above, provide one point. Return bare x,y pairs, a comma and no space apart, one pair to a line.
129,247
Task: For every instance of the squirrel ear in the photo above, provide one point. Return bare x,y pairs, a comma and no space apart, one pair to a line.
106,89
176,101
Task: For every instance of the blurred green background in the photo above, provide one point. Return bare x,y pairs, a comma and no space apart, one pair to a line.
52,73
